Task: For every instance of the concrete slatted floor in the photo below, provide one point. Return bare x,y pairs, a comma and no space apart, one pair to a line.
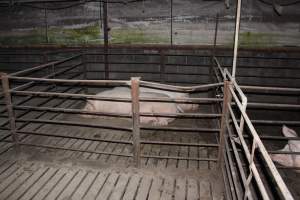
41,180
61,174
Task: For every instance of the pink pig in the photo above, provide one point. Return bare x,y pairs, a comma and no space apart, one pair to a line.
181,107
289,160
125,107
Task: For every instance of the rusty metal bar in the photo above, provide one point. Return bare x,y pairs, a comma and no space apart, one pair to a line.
182,129
29,98
72,123
44,112
77,111
74,137
142,99
180,88
10,111
226,101
135,93
81,82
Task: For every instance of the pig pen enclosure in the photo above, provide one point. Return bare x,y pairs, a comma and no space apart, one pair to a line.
219,151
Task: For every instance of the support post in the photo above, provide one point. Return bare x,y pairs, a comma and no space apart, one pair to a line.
171,20
46,26
162,66
213,54
135,82
105,29
236,36
225,114
10,111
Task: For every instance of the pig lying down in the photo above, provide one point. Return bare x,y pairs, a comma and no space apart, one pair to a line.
289,160
125,107
172,95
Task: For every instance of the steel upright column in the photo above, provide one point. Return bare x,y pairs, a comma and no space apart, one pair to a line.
236,36
135,90
226,103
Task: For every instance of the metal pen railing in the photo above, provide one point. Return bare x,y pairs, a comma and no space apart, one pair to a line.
135,83
240,102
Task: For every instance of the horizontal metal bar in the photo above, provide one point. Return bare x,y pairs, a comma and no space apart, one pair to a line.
179,158
72,123
248,88
39,67
272,105
169,128
55,74
190,100
265,155
150,63
73,149
179,88
71,95
275,122
78,111
95,97
178,143
26,71
285,152
182,115
79,82
267,137
148,72
74,137
71,111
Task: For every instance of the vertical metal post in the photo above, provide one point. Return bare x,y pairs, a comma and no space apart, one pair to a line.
242,121
215,35
214,50
10,111
162,66
100,14
226,103
171,20
135,90
105,29
46,26
236,36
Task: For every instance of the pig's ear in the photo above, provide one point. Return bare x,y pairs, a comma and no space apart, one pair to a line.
287,132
